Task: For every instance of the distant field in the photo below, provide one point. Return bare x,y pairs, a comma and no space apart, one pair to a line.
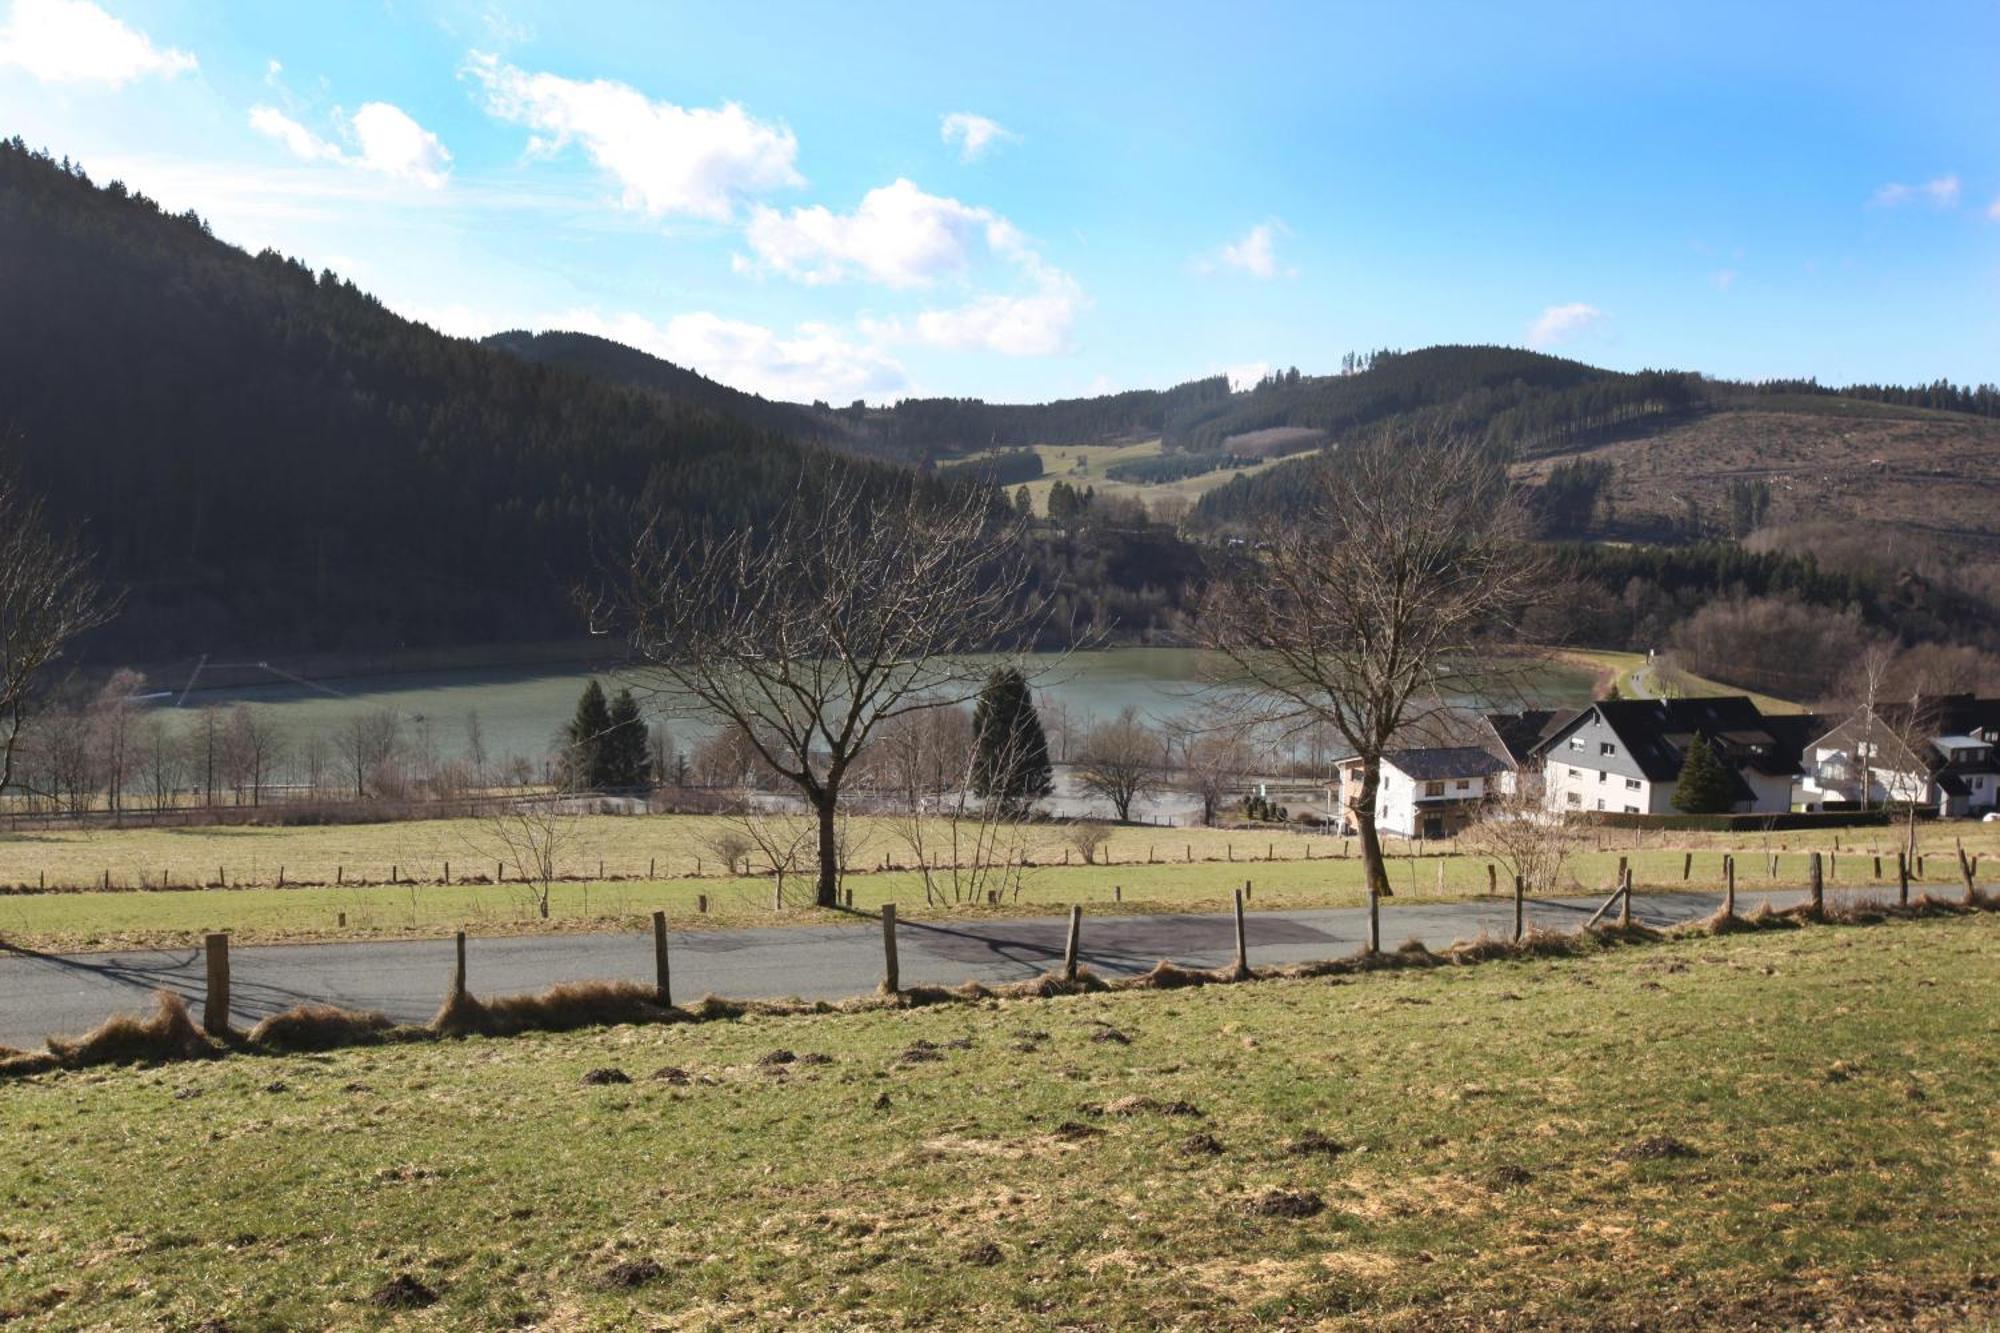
1148,870
1786,1129
1061,463
1629,672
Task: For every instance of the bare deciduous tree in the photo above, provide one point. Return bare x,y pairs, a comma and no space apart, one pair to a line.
1215,762
530,834
1388,598
1120,761
1088,840
48,596
848,609
1530,841
367,742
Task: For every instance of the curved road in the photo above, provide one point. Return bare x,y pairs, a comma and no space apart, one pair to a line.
42,994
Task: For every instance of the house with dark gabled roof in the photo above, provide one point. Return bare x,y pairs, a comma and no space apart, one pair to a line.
1517,739
1624,756
1433,792
1939,752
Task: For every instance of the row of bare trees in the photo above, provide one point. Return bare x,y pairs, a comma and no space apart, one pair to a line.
820,634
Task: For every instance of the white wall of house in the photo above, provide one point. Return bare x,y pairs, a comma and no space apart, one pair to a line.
1398,799
1577,788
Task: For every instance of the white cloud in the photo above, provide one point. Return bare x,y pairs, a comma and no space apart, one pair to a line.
73,41
903,238
396,145
1723,279
1561,323
899,236
668,159
813,361
1257,253
1939,193
1993,210
301,142
386,140
1036,324
974,134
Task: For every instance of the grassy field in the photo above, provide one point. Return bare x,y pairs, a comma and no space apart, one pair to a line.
1779,1129
256,911
1061,463
1623,669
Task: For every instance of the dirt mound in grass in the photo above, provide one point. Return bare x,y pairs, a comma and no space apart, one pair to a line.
1287,1203
1657,1148
403,1292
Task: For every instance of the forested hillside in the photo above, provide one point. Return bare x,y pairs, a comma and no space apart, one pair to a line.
270,460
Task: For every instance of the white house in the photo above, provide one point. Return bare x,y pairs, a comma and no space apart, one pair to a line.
1427,793
1939,752
1624,756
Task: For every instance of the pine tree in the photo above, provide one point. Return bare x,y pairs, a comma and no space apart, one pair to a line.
1704,787
1010,761
621,758
585,734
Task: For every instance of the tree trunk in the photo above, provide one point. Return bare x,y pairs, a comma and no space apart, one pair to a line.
1372,865
827,892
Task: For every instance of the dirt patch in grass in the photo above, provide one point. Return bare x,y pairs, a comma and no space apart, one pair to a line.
1286,1203
403,1292
604,1078
1657,1148
630,1273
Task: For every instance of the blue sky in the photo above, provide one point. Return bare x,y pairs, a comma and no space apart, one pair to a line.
1028,201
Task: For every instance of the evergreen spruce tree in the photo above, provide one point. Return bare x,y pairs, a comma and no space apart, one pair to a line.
585,734
1010,761
622,759
1704,787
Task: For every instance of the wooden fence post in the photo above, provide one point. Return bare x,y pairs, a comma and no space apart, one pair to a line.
661,982
701,903
1965,869
343,921
652,867
1728,887
458,967
1492,880
1902,879
890,979
1520,908
1625,903
1621,870
1878,867
1687,867
1242,950
1070,945
1246,889
1814,872
215,1006
1117,893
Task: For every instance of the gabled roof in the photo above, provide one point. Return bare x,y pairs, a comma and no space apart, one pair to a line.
1517,737
1656,733
1446,761
1962,719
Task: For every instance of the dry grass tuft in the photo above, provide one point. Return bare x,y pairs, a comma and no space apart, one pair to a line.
1485,949
319,1027
562,1008
1171,976
169,1033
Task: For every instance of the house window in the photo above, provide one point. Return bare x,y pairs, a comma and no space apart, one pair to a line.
1576,743
1606,747
1600,803
1631,784
1464,784
1631,809
1433,789
1602,775
1574,799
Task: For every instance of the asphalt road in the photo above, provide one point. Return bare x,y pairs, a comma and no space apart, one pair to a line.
42,994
